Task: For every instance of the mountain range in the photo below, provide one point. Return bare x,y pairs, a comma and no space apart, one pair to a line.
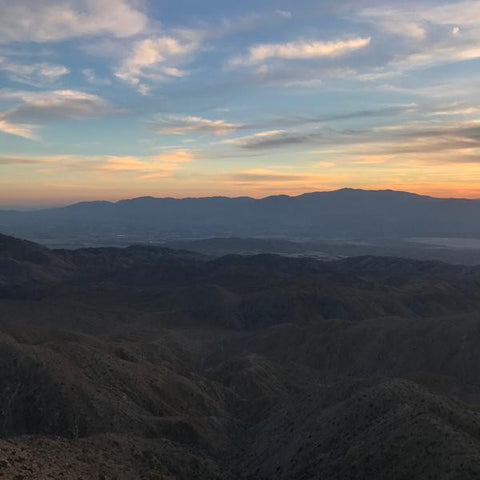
343,214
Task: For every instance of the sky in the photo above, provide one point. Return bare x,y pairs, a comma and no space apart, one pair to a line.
113,99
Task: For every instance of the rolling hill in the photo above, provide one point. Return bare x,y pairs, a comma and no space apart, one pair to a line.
152,363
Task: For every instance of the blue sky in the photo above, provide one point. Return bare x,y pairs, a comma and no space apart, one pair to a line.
109,99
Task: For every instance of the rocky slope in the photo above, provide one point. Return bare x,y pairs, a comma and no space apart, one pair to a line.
146,363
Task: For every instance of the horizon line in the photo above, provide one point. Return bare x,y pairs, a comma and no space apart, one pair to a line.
31,208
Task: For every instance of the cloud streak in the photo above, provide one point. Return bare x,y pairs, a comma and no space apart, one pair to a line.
38,108
137,167
18,129
33,74
174,125
146,168
268,139
299,50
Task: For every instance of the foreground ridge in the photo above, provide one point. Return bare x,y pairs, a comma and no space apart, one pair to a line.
150,363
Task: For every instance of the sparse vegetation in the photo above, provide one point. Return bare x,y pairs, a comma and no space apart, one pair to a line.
154,364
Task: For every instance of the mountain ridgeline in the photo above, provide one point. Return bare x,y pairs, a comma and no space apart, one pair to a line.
345,213
158,364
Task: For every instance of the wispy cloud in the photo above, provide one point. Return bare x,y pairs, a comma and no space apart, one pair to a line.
461,109
284,13
303,76
264,181
57,105
37,108
173,125
448,128
18,129
299,50
430,34
92,78
395,21
426,143
415,19
12,159
55,20
145,168
138,167
268,139
157,58
265,175
34,73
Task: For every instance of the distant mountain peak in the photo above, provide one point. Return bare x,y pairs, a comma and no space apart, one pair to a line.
345,213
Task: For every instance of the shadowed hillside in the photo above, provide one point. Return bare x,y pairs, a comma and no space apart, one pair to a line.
154,363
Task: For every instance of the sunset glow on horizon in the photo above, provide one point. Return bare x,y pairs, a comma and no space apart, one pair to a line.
114,99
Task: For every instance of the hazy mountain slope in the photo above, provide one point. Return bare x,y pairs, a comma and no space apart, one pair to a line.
344,213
